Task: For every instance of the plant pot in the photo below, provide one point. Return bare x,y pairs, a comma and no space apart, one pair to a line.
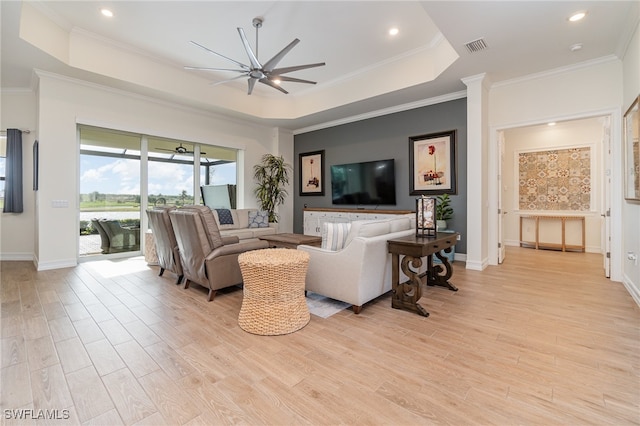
441,225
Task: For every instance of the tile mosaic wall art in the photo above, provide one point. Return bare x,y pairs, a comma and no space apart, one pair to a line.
558,179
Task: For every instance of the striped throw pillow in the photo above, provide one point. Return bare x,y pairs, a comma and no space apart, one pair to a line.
334,235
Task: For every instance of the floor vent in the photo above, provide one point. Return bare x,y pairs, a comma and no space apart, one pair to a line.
476,45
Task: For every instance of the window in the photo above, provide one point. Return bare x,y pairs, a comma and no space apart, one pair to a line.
3,165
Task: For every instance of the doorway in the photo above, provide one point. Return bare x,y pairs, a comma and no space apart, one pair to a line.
555,169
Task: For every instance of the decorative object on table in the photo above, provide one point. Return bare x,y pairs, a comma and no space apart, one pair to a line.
566,176
426,216
444,211
632,151
272,175
265,73
432,160
312,173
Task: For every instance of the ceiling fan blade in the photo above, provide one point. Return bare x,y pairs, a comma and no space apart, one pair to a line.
214,69
271,63
280,71
272,84
252,57
240,64
291,79
227,80
252,84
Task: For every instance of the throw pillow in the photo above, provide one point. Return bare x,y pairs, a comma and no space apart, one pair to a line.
258,219
224,216
334,235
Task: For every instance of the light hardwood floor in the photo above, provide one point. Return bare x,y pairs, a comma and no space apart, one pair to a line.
542,339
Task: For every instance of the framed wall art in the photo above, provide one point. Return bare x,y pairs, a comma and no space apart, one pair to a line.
432,164
632,151
312,173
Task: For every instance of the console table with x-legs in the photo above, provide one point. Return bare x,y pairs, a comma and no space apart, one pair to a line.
406,295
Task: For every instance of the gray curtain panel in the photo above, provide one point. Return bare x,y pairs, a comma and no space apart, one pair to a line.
13,177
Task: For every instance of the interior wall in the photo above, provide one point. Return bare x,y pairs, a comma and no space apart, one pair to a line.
383,138
588,91
631,209
64,103
17,235
569,134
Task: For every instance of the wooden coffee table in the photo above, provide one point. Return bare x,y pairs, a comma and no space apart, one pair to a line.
292,241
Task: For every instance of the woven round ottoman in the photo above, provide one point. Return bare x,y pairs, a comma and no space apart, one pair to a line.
273,301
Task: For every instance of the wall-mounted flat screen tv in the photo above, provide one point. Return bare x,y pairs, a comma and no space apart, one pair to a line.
367,183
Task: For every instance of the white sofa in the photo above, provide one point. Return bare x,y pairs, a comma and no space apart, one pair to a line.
360,271
241,227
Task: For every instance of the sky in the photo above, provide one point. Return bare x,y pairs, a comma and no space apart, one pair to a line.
108,175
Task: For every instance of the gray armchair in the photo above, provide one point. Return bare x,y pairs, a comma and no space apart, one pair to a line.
208,259
165,241
115,238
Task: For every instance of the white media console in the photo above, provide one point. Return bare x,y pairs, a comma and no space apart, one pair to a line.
314,218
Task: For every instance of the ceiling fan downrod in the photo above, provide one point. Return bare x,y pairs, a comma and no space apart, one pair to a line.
257,24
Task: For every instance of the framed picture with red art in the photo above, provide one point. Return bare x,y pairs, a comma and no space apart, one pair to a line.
432,164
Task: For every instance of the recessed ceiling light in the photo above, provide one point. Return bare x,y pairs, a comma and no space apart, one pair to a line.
394,31
106,12
551,124
577,16
276,81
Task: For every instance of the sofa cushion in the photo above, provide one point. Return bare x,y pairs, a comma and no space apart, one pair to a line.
367,228
334,235
258,219
399,224
224,216
226,225
243,217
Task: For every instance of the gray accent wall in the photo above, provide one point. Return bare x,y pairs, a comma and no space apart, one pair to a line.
382,138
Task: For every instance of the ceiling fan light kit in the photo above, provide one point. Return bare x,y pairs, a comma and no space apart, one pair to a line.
266,73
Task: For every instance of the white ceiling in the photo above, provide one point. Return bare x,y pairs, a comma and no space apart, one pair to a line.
144,47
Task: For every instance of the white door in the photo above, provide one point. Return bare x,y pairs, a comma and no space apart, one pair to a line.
501,211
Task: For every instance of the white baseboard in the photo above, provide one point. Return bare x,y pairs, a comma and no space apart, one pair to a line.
587,249
633,290
460,257
15,257
477,265
58,264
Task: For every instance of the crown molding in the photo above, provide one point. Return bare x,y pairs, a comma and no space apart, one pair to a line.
384,111
556,71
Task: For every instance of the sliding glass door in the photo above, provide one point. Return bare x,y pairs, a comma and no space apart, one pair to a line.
109,192
122,174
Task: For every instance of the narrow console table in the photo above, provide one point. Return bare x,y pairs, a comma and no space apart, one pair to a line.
406,295
562,244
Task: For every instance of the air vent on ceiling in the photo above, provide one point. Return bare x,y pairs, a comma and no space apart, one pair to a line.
476,45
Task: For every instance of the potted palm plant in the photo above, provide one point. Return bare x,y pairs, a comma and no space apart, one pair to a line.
272,176
444,211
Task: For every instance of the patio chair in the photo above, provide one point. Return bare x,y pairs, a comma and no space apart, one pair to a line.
119,238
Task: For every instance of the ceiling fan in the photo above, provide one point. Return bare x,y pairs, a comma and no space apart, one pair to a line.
179,150
266,73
